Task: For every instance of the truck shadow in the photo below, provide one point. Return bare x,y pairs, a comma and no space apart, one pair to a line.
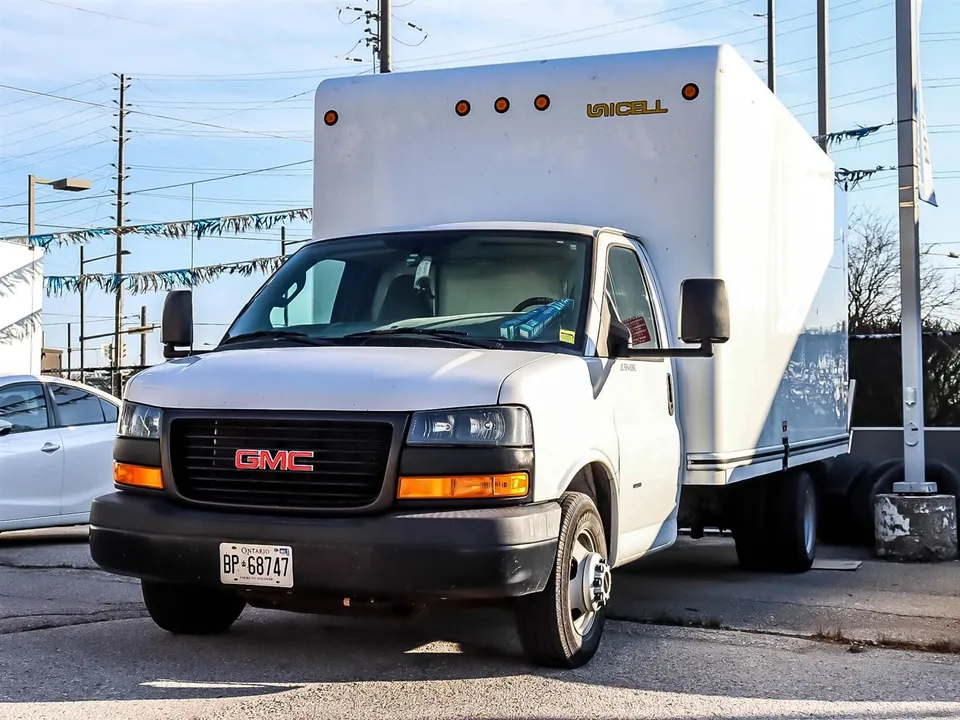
368,660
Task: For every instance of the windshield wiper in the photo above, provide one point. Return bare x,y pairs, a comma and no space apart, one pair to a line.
284,335
456,336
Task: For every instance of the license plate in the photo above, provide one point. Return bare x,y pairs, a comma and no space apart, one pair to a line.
262,565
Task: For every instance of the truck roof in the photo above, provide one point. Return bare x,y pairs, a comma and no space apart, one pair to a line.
507,225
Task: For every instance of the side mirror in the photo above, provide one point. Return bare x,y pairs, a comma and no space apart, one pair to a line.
5,427
618,339
176,327
704,312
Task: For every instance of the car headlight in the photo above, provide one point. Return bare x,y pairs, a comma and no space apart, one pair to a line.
479,426
139,421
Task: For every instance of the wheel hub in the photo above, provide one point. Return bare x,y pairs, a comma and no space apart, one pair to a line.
597,581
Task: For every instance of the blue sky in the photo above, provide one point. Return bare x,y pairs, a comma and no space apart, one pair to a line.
249,68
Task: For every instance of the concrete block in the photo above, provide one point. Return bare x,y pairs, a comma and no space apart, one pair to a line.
916,528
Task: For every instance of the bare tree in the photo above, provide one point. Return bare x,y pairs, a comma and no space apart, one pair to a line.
873,262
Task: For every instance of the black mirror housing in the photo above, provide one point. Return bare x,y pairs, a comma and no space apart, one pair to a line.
704,311
618,339
176,327
5,427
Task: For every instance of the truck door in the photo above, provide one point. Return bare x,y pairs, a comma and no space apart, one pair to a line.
643,402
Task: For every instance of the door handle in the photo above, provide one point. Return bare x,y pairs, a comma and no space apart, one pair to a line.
670,393
49,448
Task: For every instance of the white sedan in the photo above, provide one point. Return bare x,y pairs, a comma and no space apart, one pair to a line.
56,450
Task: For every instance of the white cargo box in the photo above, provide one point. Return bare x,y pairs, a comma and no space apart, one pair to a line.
727,185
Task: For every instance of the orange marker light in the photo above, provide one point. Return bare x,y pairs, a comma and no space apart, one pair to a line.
456,487
463,107
137,476
501,105
690,91
330,118
541,102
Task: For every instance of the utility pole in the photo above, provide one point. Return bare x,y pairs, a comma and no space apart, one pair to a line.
143,336
823,73
83,331
69,350
283,253
911,331
31,205
118,320
384,40
771,47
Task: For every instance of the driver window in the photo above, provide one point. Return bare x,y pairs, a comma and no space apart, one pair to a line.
313,304
629,297
24,407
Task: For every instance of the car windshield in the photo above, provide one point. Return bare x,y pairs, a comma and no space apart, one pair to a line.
520,289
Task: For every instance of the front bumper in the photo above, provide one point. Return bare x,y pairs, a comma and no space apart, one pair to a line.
458,554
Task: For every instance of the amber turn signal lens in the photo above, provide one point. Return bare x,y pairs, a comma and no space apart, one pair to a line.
455,487
137,476
330,117
501,105
541,102
463,107
690,91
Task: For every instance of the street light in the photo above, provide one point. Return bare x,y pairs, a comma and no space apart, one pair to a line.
66,184
83,335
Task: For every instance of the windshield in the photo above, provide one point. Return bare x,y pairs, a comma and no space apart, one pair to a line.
517,288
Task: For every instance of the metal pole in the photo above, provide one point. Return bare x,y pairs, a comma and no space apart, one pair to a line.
143,336
771,47
118,320
384,39
193,228
31,207
823,73
69,349
83,338
911,332
283,252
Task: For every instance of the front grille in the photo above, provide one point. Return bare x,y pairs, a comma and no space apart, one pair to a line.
349,462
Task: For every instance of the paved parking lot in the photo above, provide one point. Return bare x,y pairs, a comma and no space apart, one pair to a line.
74,644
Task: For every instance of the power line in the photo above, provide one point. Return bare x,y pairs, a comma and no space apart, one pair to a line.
173,185
57,90
153,24
314,72
141,112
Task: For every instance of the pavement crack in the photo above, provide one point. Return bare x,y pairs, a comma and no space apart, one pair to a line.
943,646
33,566
77,620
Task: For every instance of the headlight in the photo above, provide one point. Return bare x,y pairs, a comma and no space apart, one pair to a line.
491,426
139,421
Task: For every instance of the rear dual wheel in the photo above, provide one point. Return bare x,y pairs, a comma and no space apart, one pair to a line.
775,522
562,625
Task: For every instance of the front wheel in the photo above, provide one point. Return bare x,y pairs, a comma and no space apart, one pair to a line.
562,625
191,609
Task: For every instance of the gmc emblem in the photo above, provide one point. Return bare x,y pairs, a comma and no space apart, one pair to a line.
277,460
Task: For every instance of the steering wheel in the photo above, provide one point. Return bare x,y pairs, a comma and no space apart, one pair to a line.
532,301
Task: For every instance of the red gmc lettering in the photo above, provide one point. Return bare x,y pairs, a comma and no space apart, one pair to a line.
266,460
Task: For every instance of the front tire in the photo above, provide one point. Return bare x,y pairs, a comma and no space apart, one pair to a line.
190,609
561,626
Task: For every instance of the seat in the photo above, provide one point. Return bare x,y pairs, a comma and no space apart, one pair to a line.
403,301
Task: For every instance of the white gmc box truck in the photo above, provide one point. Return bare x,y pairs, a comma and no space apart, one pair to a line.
553,312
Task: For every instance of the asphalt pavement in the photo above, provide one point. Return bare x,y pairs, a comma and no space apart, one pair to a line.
74,644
